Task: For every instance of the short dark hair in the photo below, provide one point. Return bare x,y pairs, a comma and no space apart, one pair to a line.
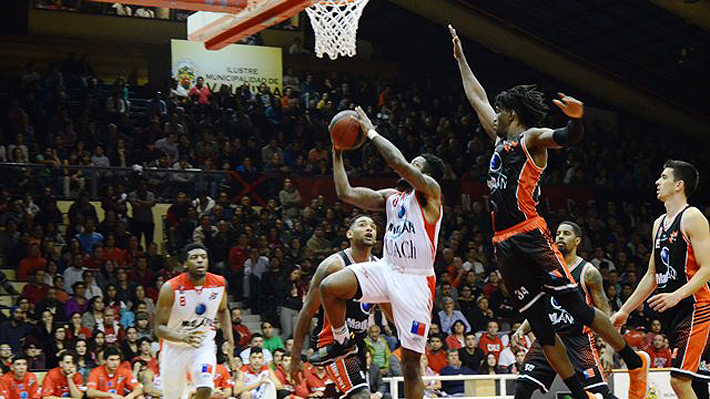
255,349
527,102
189,247
71,353
20,357
356,217
575,227
684,171
111,351
255,335
434,167
277,350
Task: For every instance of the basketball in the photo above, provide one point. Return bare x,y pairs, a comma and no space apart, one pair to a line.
345,131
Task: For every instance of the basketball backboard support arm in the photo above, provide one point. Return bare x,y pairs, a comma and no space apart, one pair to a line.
217,30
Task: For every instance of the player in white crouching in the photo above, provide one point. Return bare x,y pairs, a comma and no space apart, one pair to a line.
185,316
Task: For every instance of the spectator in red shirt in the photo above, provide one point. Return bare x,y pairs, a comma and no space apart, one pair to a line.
201,91
19,384
110,379
111,327
242,335
491,285
111,252
660,354
63,381
35,290
30,263
436,355
490,342
223,383
319,383
147,356
296,389
96,260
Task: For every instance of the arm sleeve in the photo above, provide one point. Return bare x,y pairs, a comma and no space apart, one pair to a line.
570,134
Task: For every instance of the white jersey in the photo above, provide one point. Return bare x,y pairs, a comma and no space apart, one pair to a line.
410,241
195,308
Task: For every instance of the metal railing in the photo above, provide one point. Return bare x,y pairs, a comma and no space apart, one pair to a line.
499,378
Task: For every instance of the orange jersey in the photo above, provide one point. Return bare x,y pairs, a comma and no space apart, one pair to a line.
27,388
222,378
55,383
120,382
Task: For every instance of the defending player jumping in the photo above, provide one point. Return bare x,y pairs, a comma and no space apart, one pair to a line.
348,373
536,372
405,276
527,258
679,271
188,306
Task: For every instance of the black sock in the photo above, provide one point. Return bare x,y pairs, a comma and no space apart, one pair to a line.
575,386
631,358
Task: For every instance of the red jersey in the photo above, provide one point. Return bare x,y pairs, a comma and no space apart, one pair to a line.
114,333
120,382
491,345
437,361
27,388
55,383
222,378
316,383
660,358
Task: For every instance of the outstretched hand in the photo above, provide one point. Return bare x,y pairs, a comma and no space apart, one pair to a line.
365,122
458,50
570,106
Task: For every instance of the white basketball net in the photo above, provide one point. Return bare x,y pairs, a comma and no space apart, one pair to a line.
335,25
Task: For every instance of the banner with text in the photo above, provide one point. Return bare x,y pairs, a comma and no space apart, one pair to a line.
231,66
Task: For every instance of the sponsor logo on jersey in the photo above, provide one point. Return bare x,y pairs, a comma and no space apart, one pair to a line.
662,279
206,368
496,162
200,309
559,315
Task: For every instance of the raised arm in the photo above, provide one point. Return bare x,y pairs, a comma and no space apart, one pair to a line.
544,138
394,158
361,197
642,291
595,287
695,227
310,307
475,92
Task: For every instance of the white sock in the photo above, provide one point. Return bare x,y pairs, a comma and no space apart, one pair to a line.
341,334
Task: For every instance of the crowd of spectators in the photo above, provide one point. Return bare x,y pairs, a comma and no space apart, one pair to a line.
92,281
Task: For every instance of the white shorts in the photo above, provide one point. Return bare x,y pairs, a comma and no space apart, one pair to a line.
176,362
411,296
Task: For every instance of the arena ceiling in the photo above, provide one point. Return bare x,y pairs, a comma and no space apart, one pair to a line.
636,40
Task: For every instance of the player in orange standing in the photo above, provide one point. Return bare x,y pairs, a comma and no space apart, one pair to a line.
19,383
679,272
63,381
528,260
112,381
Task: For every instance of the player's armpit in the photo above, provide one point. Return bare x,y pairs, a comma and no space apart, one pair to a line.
595,286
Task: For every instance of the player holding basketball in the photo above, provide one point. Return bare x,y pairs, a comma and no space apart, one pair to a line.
536,372
348,373
405,276
528,260
679,271
188,306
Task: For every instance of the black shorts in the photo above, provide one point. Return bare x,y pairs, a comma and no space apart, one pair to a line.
530,263
689,326
348,373
583,355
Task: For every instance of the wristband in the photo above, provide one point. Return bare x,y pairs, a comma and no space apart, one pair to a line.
372,133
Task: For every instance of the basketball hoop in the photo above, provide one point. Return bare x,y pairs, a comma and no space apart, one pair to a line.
335,25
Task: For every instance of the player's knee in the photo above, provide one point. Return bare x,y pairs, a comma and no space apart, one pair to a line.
361,394
411,365
680,383
524,389
203,393
540,324
328,286
574,303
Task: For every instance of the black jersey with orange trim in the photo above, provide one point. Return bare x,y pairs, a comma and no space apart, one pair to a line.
563,322
356,315
513,178
675,260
